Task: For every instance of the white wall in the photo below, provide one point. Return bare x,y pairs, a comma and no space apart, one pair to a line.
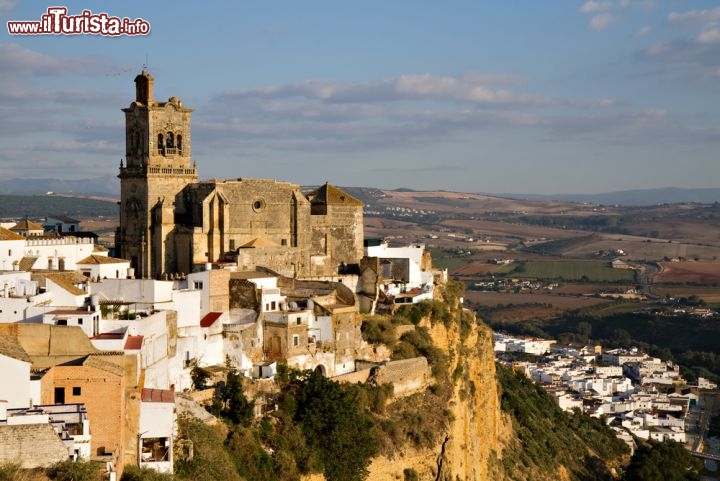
15,385
72,249
11,251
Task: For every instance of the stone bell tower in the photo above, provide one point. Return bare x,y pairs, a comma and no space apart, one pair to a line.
157,167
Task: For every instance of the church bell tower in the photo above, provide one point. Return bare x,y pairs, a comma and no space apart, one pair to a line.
157,168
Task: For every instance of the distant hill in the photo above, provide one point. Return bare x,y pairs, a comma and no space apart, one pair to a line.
667,195
39,206
108,185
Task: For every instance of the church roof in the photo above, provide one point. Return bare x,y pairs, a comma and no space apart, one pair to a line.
6,234
258,242
328,194
96,259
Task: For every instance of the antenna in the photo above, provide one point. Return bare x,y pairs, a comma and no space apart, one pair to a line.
146,65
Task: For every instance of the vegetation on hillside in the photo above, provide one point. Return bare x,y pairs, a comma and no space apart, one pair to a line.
40,206
668,461
549,440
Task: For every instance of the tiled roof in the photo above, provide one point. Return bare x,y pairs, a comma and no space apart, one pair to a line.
133,343
99,248
71,312
6,234
210,319
101,362
329,194
27,224
27,263
157,396
64,282
96,259
10,346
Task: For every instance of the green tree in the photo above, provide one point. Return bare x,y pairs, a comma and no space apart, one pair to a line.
229,401
668,461
74,471
337,428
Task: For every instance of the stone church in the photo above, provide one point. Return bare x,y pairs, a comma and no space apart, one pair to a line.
172,223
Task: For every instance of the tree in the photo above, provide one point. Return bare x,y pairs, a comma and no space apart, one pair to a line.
229,400
336,426
668,461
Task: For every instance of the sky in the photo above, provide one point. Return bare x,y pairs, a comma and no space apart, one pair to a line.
529,96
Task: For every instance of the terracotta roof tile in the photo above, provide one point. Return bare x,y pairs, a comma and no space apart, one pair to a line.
157,396
328,194
133,343
96,259
210,319
6,234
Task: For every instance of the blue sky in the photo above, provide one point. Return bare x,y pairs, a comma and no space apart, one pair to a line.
535,96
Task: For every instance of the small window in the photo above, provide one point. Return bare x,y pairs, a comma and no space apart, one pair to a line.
298,320
296,340
80,321
198,285
232,244
62,322
283,242
258,205
77,391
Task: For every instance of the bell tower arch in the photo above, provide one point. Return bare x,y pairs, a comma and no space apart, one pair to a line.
157,168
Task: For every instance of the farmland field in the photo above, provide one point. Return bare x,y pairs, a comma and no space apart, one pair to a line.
593,271
693,272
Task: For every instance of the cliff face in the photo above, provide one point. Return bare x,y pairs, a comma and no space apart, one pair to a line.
472,445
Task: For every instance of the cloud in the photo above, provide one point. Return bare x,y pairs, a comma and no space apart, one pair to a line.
643,31
600,22
15,59
592,7
641,4
709,35
694,17
470,87
6,5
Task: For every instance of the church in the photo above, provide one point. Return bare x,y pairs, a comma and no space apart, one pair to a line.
171,223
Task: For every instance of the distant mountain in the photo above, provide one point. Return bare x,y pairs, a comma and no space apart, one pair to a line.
667,195
106,185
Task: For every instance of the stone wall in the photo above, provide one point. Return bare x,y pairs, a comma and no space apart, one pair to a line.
31,445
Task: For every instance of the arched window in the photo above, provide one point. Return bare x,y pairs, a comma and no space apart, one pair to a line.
170,140
179,143
161,144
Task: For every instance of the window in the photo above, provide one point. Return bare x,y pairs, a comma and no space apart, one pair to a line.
198,285
9,252
298,320
179,143
62,322
161,144
232,244
283,242
273,305
80,321
76,391
296,340
59,395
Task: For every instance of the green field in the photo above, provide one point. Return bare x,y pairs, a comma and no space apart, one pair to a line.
591,271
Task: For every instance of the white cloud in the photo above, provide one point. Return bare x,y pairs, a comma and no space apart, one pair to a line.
15,59
694,17
470,87
643,4
592,7
709,35
600,22
643,32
